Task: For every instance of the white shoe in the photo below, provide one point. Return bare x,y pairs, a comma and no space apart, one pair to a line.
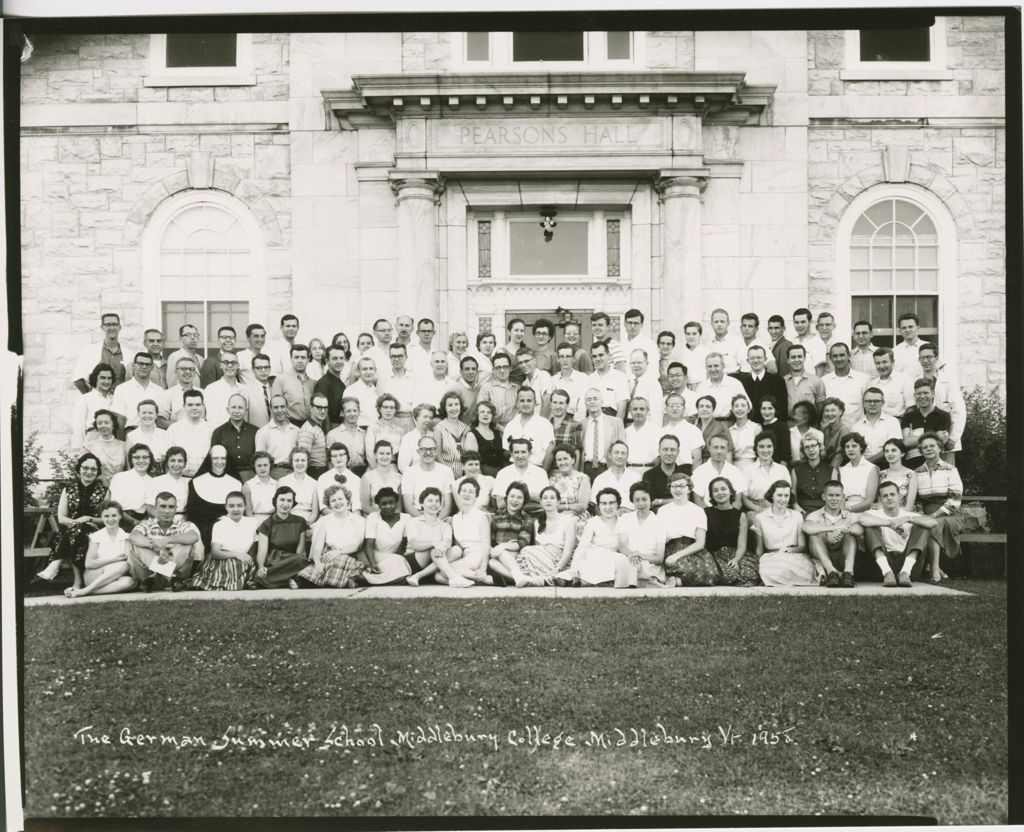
50,572
459,582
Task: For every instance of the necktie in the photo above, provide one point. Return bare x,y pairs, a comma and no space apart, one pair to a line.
632,391
266,400
594,447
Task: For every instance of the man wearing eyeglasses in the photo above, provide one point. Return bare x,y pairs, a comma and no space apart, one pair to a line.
188,335
258,391
222,389
420,354
153,341
426,472
136,389
186,371
383,332
876,427
210,370
313,434
107,351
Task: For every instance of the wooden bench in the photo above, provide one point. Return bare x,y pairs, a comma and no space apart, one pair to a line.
997,538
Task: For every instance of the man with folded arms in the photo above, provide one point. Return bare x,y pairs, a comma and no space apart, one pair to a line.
895,538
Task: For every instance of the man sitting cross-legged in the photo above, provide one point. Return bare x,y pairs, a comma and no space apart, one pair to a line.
161,539
832,534
895,537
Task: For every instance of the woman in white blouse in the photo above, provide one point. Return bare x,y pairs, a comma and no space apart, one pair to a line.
859,477
130,488
642,537
307,502
743,432
230,564
100,397
686,525
384,546
148,434
761,475
554,534
465,563
173,481
106,561
260,490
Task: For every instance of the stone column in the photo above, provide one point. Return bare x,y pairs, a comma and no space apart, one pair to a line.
417,194
680,192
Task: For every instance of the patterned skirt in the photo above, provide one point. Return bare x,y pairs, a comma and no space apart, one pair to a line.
393,567
281,567
222,573
788,569
947,532
695,569
743,575
336,569
539,561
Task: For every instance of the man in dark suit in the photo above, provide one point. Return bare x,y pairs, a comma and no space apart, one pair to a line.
780,344
759,383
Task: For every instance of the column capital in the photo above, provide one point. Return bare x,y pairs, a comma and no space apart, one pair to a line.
681,182
416,184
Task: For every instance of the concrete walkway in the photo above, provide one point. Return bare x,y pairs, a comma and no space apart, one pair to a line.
919,590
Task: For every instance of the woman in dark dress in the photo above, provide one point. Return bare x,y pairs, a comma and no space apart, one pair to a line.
215,479
726,537
78,515
281,543
486,439
810,475
779,428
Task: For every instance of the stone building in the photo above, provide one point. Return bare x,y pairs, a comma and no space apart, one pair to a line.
350,176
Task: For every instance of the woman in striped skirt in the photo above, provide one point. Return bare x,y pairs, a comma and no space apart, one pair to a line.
230,564
554,537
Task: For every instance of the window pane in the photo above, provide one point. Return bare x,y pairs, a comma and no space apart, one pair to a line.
618,46
881,258
483,248
905,281
880,214
904,257
566,253
907,212
614,264
859,257
928,280
881,281
478,46
216,49
547,46
175,315
928,257
925,227
895,44
859,280
902,233
863,227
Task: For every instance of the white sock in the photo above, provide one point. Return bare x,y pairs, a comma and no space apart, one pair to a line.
909,563
883,563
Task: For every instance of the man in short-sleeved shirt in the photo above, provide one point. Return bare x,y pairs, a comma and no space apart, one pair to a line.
832,533
717,466
295,385
139,387
107,351
802,385
427,472
923,417
528,424
844,383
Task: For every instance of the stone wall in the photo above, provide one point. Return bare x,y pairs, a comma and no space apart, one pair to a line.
88,189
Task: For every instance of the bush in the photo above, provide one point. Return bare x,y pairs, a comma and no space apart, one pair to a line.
982,462
62,471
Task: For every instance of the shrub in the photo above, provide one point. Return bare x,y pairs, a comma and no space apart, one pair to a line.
62,471
982,463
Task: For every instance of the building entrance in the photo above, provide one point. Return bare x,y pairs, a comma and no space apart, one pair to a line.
559,317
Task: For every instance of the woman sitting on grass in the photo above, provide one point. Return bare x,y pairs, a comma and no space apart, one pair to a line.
465,563
78,515
106,562
554,535
686,561
765,471
905,478
427,537
337,543
281,543
642,537
386,538
727,536
597,559
781,546
510,532
229,564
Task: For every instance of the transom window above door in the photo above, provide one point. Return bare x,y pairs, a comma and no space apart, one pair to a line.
550,50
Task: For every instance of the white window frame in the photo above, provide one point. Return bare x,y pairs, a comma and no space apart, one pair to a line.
945,229
153,293
595,54
933,69
597,246
161,75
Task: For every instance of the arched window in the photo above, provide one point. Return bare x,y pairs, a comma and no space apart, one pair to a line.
204,266
897,252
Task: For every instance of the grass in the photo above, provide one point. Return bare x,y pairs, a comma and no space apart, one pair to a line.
893,706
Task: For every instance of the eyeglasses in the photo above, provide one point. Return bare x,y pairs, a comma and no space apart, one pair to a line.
229,363
186,369
318,407
92,468
261,367
426,331
428,450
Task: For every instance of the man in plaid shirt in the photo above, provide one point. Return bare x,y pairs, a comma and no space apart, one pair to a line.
568,431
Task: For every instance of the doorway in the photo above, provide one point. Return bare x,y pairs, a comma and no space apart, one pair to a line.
560,317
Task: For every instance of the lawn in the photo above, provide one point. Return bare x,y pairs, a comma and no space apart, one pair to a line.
868,706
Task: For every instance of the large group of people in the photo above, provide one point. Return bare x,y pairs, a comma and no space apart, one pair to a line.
730,458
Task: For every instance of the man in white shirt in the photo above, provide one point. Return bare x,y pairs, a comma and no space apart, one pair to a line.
862,356
634,321
280,351
380,352
186,373
948,395
404,325
723,342
153,342
427,472
521,469
601,329
719,386
278,437
693,354
128,394
826,326
420,355
717,466
401,384
814,347
875,426
189,337
906,354
749,337
678,382
642,436
365,390
897,387
192,432
218,393
691,439
644,384
536,379
894,537
256,335
568,378
259,390
599,431
611,383
844,383
431,385
107,351
529,424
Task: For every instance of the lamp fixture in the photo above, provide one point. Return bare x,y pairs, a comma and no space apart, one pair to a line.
548,222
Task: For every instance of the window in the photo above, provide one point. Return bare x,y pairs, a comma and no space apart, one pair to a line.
908,54
200,59
203,266
894,267
586,245
552,50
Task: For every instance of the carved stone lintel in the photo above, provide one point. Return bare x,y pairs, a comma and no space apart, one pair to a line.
896,163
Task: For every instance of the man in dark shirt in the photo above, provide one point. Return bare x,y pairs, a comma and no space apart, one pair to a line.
780,344
238,436
658,477
759,383
924,416
331,385
210,370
